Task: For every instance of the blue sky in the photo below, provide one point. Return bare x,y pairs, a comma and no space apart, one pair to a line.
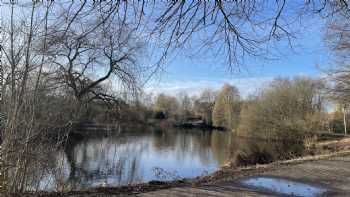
194,74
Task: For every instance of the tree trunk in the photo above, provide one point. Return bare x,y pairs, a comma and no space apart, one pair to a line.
344,114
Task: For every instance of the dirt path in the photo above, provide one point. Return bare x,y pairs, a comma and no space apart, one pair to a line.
331,173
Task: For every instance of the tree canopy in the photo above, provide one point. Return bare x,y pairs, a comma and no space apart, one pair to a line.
285,108
227,108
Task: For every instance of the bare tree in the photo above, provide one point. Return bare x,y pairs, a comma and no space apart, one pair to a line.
285,109
88,54
337,38
203,106
20,61
235,29
97,46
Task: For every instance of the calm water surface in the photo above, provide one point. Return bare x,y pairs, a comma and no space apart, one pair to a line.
134,157
141,155
284,186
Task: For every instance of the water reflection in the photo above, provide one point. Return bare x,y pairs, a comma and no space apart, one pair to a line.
284,186
133,157
140,155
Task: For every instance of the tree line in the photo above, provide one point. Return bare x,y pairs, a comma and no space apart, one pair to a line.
296,105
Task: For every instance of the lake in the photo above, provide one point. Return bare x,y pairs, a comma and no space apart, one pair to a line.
139,155
126,157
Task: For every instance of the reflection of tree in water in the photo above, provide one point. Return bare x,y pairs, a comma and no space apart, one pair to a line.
117,160
96,162
48,172
184,142
221,146
129,157
163,138
203,141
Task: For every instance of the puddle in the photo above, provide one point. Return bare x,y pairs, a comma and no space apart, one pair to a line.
284,186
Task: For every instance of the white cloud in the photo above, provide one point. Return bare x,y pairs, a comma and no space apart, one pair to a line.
246,86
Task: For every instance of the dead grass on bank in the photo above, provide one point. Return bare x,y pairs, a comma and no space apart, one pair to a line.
330,149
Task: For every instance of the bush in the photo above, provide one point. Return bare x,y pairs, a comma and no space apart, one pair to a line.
287,109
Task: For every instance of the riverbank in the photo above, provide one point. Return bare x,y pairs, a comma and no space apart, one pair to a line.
338,149
328,172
